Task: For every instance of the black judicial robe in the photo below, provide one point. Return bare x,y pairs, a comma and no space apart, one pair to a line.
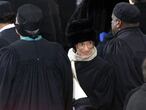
96,78
126,52
142,7
35,75
8,36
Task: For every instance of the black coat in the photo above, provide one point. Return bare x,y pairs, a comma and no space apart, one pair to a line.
66,9
8,36
93,10
96,78
137,99
142,7
98,11
126,51
35,75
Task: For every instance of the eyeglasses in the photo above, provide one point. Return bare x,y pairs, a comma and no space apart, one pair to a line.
88,44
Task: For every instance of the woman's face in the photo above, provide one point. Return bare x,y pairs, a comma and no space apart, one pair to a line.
84,49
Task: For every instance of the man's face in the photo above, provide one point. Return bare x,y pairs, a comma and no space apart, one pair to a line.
115,24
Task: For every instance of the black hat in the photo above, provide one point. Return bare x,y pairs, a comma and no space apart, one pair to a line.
6,12
28,20
127,12
79,31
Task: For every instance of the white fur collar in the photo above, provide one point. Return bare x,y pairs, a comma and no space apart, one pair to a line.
75,57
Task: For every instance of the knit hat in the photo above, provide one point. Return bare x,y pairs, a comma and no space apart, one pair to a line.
127,12
28,20
79,31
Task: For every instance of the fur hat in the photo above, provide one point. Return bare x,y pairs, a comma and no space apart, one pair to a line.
127,12
79,31
28,20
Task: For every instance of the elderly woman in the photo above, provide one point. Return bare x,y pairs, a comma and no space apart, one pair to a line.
92,76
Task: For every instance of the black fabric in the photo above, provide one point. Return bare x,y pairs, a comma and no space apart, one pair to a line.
8,36
78,26
137,99
66,9
79,31
35,75
81,37
99,12
142,8
126,12
83,104
93,10
96,78
127,57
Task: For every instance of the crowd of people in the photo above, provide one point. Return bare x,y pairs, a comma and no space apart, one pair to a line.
49,62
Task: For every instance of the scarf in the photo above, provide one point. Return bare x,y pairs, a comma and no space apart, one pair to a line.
78,92
75,57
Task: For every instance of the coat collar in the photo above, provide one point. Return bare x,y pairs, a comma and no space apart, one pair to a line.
125,30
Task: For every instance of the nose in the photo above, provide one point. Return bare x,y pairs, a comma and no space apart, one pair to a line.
86,48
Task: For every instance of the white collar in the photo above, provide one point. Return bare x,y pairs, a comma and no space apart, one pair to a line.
7,27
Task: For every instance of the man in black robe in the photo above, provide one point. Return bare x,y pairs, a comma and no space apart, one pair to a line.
7,28
34,74
126,50
51,25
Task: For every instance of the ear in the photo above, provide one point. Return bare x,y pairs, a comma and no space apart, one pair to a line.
118,24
